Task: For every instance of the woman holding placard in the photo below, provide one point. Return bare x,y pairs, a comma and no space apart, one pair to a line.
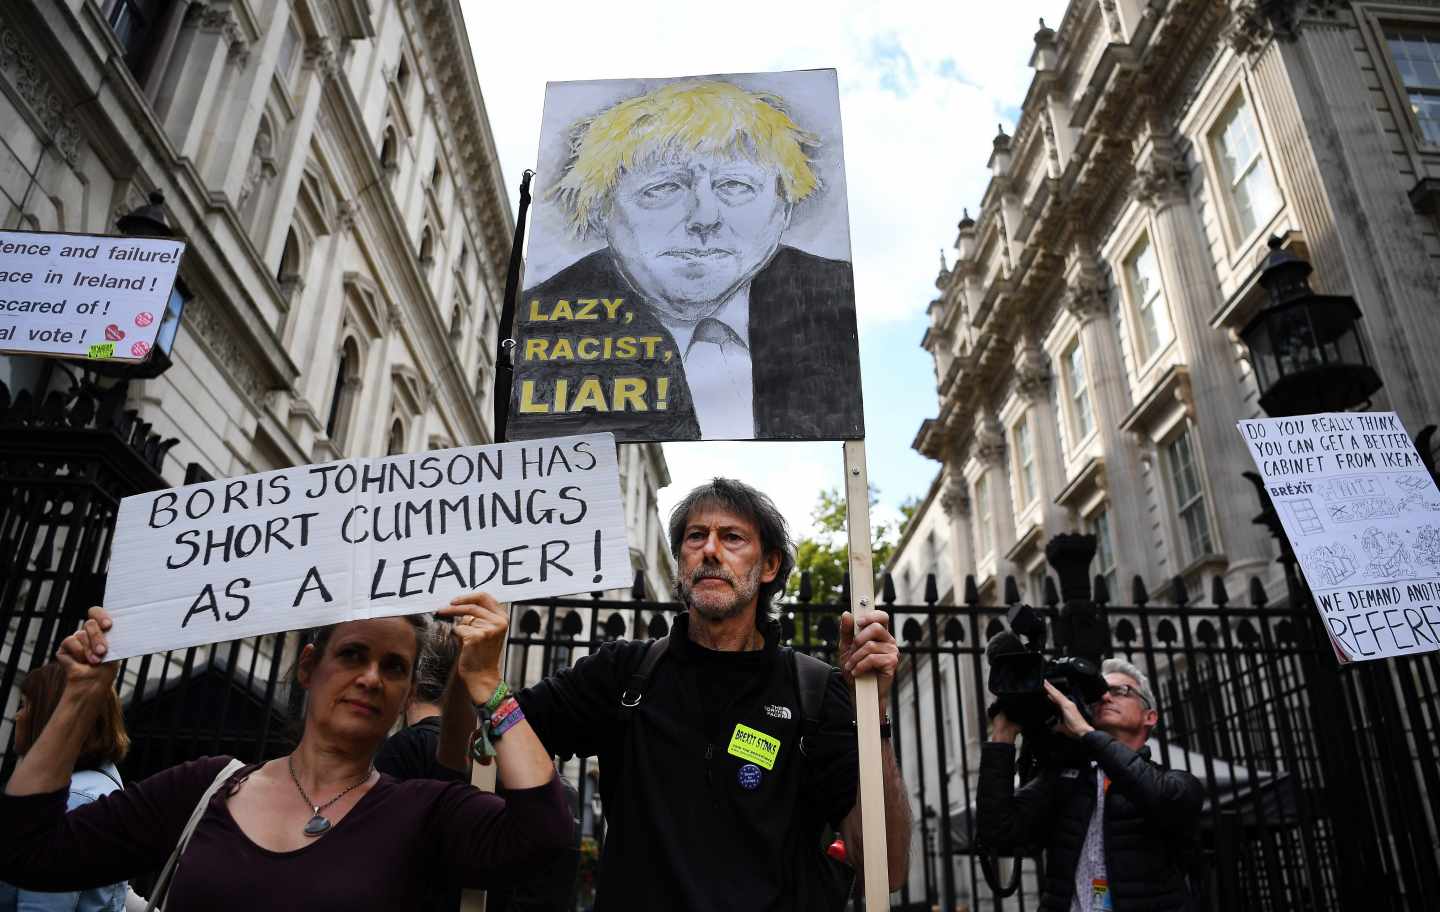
318,829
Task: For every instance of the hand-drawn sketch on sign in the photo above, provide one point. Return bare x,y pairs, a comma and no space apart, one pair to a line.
1332,564
688,272
1304,515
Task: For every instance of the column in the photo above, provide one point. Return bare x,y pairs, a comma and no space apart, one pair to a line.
191,86
1192,291
320,64
1033,379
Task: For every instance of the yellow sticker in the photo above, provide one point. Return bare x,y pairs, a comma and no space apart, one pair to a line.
755,746
102,350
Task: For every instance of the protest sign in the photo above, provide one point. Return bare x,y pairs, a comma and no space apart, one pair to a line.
688,272
1363,516
84,296
364,538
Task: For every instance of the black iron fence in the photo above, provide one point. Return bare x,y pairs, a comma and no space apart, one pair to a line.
1322,784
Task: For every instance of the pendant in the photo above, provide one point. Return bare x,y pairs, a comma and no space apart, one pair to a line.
316,826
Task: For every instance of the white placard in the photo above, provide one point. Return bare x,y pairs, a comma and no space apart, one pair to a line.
84,296
365,538
1363,515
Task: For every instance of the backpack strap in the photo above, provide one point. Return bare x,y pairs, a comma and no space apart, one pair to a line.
634,691
812,677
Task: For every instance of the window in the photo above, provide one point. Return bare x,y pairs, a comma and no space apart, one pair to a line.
1244,172
137,26
456,324
1189,498
1024,461
347,382
395,444
388,160
1152,323
436,176
1105,552
285,65
983,542
1035,583
427,247
1416,53
402,75
1082,419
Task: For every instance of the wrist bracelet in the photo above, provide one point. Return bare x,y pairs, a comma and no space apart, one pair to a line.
497,697
506,717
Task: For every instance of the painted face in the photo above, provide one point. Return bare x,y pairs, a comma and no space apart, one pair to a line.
722,564
688,232
1123,715
360,684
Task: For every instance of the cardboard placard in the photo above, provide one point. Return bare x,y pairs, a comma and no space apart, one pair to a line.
688,270
1363,516
84,296
363,538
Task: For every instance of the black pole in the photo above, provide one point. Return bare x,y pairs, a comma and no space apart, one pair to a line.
505,332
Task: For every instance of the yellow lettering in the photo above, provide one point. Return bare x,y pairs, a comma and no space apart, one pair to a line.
563,349
562,311
650,343
587,309
535,314
590,396
630,394
535,349
528,405
611,306
562,389
585,348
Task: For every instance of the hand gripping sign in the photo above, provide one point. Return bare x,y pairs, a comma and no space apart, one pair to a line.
364,538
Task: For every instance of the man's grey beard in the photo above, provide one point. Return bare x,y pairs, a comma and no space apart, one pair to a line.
714,606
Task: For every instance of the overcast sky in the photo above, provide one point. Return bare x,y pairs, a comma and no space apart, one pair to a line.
922,88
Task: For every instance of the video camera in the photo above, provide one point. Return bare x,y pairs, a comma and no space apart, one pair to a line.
1019,670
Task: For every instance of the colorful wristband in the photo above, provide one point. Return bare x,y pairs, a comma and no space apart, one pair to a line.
497,698
506,718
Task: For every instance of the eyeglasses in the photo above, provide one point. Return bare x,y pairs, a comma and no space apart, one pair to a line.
1121,691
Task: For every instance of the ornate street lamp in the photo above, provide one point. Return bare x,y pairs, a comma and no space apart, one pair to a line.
1306,348
150,221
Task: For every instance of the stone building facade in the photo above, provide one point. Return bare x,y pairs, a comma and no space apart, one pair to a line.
330,165
1085,339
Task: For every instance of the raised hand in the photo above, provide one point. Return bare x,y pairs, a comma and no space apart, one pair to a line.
1072,724
83,653
866,645
480,626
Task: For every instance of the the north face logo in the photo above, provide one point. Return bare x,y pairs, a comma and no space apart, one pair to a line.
777,712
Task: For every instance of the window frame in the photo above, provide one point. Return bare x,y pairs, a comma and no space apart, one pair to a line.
1027,479
984,517
1238,238
1076,347
1098,525
1396,91
1145,356
1183,506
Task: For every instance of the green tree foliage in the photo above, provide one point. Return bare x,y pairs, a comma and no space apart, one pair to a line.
826,556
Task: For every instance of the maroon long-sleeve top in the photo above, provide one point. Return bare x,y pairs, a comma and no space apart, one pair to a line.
399,837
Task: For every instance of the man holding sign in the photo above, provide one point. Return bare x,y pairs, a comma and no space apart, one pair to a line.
717,781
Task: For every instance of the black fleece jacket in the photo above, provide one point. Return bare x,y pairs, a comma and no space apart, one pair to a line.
1151,818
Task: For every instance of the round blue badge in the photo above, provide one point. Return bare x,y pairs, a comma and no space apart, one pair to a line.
749,776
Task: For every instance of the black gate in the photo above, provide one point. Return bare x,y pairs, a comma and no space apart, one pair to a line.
1321,783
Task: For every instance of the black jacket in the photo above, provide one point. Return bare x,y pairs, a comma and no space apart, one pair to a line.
803,346
689,825
1151,820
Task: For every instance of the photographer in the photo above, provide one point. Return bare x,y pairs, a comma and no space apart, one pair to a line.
1117,837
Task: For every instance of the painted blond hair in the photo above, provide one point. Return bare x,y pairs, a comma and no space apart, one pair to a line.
708,117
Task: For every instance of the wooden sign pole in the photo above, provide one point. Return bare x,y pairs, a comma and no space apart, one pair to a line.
867,692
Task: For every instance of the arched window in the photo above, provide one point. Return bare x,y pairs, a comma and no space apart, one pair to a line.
427,247
436,177
288,272
464,257
455,323
395,445
389,152
342,400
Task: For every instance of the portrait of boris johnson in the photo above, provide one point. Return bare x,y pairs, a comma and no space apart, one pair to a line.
689,276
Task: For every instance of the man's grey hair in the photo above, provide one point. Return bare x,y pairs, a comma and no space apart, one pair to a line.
1120,666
